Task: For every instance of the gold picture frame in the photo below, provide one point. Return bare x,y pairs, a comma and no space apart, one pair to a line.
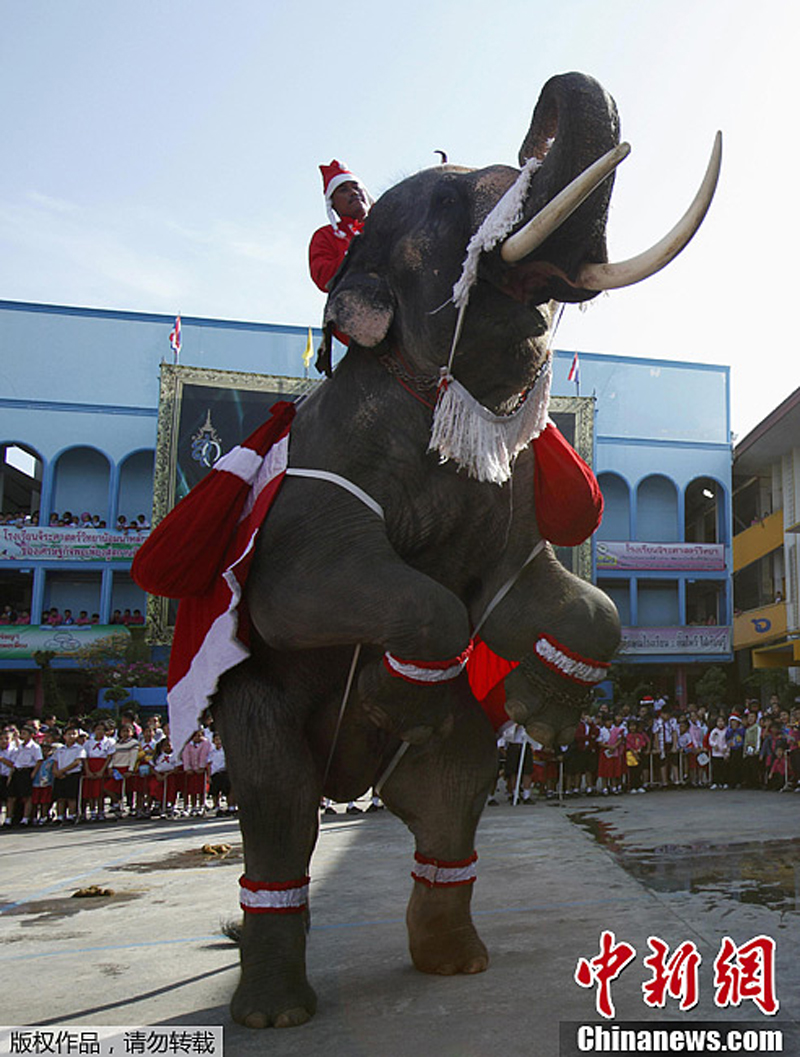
184,394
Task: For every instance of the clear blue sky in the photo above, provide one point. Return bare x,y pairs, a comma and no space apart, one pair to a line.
162,155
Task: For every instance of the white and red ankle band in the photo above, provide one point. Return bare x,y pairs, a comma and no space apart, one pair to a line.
423,673
281,897
436,873
566,662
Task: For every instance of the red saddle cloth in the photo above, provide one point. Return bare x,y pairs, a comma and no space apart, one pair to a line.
200,553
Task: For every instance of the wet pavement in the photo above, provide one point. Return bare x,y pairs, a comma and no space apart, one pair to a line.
682,865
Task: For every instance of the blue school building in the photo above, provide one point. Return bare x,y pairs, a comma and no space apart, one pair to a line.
79,435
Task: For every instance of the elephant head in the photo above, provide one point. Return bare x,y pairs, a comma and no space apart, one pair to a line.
394,293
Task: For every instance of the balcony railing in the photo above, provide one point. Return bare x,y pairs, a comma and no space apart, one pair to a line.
758,540
755,627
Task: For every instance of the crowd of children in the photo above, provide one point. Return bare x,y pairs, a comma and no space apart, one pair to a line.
59,774
23,519
657,747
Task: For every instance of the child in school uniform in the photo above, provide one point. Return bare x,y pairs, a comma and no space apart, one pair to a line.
218,776
99,749
67,771
779,771
6,765
636,745
25,757
611,757
42,795
123,758
167,779
195,758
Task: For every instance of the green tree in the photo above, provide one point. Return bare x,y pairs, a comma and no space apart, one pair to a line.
54,699
712,687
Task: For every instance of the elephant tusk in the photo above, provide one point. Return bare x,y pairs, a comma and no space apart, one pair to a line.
553,215
626,273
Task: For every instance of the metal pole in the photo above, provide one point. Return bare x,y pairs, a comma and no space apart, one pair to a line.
522,749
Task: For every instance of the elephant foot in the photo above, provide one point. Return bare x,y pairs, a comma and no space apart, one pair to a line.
273,990
412,713
260,1004
441,936
547,708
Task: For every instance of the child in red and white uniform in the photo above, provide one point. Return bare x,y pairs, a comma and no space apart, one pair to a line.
195,758
167,780
780,772
611,757
636,746
123,759
99,750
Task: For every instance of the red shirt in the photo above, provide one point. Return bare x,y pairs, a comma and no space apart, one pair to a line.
327,251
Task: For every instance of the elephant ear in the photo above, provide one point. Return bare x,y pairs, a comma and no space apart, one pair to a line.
361,303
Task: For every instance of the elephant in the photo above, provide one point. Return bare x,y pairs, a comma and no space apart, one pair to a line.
364,601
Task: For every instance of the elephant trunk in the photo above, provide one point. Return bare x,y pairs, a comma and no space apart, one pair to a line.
575,122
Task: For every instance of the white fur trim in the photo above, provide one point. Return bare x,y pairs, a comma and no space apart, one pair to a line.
337,181
417,673
435,875
581,671
266,899
272,464
242,462
482,443
221,650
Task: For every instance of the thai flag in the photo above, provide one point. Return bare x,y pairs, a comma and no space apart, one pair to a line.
175,338
575,370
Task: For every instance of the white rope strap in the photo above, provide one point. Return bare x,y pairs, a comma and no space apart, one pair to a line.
342,482
501,594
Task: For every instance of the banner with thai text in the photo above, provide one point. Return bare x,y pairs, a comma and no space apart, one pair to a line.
699,640
68,544
21,641
683,557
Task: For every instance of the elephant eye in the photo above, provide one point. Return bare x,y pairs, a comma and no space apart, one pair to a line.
447,206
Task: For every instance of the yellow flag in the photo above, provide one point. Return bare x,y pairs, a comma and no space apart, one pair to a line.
309,350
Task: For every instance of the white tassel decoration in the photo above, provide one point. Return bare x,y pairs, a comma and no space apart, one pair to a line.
482,443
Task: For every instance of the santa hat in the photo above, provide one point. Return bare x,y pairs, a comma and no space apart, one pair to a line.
333,176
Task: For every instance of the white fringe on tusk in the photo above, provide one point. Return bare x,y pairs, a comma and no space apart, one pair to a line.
482,443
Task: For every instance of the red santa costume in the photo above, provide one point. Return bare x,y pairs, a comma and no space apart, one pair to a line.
330,243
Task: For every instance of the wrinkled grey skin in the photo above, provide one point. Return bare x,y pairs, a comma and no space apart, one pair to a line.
329,574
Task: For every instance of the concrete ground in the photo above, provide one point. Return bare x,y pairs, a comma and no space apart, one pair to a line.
681,865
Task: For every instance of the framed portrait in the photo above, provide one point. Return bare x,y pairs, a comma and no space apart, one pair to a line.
202,414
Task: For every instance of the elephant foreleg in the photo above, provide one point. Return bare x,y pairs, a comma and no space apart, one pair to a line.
278,795
439,790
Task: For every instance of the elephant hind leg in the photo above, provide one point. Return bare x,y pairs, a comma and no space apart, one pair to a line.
277,791
439,790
